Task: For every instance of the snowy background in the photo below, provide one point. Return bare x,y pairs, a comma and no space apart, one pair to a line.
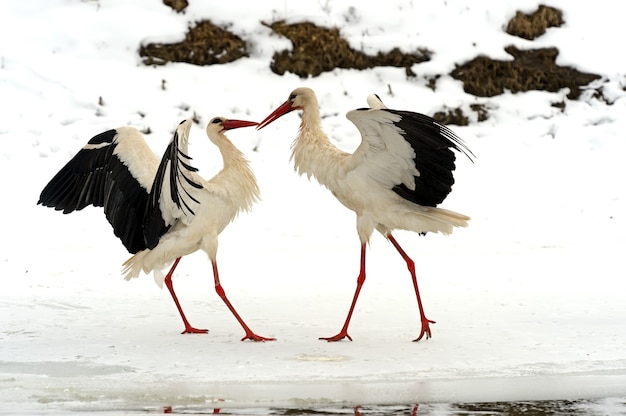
529,300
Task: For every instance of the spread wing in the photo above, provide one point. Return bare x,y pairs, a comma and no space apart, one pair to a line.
114,171
407,152
142,197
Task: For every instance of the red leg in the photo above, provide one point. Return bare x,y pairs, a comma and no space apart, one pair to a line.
168,282
220,291
411,265
359,283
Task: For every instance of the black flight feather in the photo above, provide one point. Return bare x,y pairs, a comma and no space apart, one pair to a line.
434,159
96,176
154,225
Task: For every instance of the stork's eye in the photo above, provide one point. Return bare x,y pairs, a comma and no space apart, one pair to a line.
292,97
218,121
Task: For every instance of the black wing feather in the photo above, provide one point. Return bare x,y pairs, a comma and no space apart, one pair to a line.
154,225
175,178
434,159
96,176
69,188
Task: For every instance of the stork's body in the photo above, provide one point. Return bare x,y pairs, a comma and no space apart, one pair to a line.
394,179
161,210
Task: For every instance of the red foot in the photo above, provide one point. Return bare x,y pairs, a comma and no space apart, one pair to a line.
257,338
425,329
338,337
192,330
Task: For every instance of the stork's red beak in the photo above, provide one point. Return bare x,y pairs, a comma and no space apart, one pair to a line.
235,124
279,112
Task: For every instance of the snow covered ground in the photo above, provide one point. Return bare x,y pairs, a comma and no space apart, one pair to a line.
529,300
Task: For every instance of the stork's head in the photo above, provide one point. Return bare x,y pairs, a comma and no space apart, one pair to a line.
220,124
298,99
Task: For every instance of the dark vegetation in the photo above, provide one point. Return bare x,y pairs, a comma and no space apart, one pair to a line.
531,26
316,50
532,69
204,44
178,5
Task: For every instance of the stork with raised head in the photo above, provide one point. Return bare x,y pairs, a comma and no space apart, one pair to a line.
160,210
394,180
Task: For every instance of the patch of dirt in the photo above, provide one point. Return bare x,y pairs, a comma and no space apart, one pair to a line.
204,44
178,5
318,49
531,26
454,116
457,117
560,105
533,69
481,111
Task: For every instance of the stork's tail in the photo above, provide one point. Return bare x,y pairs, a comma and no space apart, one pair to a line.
133,266
441,220
453,218
140,262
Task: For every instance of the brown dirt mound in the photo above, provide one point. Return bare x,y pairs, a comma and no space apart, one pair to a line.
457,116
204,44
178,5
317,49
531,26
533,69
452,116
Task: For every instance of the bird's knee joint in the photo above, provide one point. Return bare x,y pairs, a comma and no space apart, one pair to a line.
220,291
360,279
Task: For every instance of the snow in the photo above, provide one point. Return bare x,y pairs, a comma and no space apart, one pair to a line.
529,299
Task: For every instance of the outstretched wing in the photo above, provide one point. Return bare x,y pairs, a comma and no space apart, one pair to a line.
407,152
115,171
172,194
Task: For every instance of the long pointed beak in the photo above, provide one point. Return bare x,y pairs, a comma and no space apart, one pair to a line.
235,124
279,112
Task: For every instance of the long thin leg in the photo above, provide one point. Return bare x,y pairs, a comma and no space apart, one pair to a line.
168,282
220,291
411,265
359,283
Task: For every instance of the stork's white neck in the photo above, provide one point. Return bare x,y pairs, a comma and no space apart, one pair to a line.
236,176
313,154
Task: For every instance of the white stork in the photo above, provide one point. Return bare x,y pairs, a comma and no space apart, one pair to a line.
161,210
394,180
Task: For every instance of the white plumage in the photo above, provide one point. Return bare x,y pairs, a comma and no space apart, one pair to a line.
161,209
208,210
395,178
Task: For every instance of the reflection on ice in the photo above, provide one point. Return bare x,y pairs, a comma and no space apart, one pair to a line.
606,406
